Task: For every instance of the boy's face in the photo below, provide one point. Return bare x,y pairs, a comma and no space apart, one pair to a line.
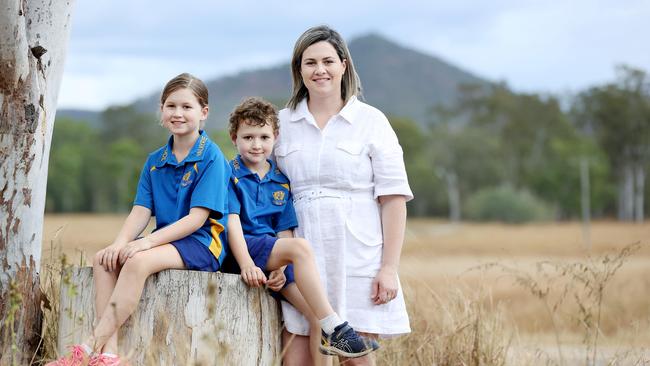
254,143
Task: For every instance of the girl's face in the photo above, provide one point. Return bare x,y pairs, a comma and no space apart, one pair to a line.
182,113
322,70
254,143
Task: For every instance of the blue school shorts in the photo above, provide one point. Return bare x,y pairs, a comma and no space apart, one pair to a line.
259,248
195,255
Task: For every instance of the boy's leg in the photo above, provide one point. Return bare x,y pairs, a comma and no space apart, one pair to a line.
104,286
128,288
298,252
337,336
293,295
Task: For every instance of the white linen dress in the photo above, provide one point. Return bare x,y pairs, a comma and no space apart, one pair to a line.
336,176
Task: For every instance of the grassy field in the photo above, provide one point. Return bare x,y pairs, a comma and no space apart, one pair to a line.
491,294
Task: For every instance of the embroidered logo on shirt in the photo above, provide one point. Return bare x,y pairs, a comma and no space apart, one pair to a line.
164,156
186,179
278,198
235,164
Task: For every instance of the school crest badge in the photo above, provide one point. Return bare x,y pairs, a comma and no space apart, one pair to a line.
186,179
279,198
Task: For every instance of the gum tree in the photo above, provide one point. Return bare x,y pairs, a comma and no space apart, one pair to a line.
33,42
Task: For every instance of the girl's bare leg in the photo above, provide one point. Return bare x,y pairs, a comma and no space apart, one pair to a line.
128,289
104,286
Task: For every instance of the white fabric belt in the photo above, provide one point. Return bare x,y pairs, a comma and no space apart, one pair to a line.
312,194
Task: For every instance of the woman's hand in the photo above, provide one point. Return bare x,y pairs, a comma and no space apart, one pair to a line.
108,256
277,279
133,247
384,286
253,276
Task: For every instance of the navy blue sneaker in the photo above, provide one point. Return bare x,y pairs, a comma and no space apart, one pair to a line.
346,342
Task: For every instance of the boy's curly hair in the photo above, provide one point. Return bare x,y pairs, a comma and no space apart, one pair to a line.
254,111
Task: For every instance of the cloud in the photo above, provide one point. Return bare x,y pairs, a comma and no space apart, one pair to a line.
121,50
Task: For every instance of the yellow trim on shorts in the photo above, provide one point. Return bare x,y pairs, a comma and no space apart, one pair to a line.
216,247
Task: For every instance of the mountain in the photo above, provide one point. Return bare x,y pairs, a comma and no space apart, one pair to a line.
397,80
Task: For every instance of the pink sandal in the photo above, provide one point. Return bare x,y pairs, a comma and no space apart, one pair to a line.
105,360
79,356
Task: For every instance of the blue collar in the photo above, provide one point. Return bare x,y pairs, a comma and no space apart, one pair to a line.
241,170
165,155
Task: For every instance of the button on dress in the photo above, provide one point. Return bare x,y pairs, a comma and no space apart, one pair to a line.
337,175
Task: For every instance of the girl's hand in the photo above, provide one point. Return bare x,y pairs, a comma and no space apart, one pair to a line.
277,279
384,286
133,247
108,256
253,276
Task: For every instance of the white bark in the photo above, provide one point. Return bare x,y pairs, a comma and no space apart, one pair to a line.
626,193
639,192
33,41
453,194
183,318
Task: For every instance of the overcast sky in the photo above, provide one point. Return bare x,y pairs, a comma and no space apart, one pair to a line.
120,50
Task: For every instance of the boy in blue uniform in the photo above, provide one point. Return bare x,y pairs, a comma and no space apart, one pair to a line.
260,222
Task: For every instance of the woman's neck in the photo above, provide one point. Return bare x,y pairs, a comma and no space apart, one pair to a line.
323,108
183,144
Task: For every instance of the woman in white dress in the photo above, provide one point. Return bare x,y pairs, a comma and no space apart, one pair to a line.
350,191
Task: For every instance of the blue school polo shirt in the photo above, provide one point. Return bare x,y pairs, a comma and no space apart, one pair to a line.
170,188
264,205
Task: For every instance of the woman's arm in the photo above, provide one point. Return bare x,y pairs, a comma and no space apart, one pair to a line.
250,273
393,220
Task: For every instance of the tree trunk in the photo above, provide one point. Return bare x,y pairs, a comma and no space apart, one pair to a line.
639,192
453,194
626,193
33,40
183,318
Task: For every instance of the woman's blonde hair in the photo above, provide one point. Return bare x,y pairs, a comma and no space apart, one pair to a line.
350,83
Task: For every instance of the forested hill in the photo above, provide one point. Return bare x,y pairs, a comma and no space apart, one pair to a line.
398,80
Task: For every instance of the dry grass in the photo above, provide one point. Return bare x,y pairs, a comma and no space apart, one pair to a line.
464,316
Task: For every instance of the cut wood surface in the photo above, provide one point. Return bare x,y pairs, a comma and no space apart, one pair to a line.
183,318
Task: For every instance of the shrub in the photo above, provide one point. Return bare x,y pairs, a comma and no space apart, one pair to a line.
506,204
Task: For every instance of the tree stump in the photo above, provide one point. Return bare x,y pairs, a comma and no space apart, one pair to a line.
183,318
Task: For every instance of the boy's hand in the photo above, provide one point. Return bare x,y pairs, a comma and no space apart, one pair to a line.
133,247
277,279
253,276
108,256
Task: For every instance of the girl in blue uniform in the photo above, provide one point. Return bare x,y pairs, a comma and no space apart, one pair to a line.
184,185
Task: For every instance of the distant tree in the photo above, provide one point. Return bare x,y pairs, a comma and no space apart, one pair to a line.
466,159
534,144
121,122
122,163
73,167
426,186
618,116
33,42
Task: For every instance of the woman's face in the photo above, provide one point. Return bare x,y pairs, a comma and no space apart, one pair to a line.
322,70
